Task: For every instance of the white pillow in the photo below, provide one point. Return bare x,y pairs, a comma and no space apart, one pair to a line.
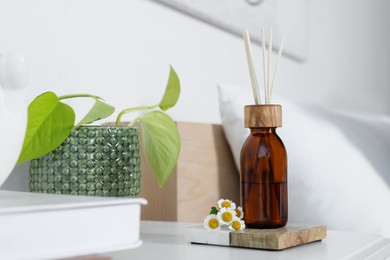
330,181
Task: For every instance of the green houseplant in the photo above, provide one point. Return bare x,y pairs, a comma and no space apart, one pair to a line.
98,160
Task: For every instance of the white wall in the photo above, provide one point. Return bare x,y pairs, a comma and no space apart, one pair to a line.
120,50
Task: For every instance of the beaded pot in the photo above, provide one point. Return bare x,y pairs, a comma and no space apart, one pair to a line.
93,160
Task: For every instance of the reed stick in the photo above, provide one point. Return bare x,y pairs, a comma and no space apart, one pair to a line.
252,72
264,63
268,84
269,65
278,62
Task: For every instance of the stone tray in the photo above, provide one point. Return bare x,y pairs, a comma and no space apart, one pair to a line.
272,239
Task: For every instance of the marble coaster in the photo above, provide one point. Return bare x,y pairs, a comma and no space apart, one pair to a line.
272,239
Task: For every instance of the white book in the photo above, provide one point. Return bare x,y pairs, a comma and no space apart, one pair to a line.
49,226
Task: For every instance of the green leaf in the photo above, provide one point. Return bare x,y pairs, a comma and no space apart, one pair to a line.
49,124
99,110
213,211
161,142
172,91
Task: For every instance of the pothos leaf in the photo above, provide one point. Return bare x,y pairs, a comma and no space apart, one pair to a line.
161,142
99,111
49,124
172,91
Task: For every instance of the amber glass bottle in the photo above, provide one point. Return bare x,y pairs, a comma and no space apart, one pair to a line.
264,169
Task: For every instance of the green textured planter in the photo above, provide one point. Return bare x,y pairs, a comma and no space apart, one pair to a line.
93,160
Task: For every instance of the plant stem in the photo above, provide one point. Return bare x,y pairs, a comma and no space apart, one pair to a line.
134,121
128,110
78,95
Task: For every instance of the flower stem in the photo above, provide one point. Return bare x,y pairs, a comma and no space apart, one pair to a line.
128,110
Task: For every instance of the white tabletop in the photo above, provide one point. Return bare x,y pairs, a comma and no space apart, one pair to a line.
165,240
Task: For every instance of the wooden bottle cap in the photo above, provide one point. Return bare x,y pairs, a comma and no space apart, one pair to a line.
262,116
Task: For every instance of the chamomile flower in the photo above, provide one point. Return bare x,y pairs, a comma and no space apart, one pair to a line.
212,223
226,215
239,212
237,224
224,203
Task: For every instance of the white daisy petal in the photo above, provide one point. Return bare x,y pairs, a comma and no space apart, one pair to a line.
237,224
225,203
239,212
226,215
212,223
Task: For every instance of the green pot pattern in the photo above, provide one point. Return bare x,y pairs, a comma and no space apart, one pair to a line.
94,161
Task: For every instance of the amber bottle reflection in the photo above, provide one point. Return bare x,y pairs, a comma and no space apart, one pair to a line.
264,169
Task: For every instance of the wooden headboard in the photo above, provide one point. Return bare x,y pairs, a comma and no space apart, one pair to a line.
205,173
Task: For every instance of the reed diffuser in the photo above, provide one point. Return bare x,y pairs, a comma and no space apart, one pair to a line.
263,155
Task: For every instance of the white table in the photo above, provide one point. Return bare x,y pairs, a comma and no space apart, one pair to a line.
165,240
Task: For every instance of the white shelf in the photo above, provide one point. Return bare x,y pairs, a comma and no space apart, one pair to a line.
165,240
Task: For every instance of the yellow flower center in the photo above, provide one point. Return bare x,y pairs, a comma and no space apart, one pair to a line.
236,225
213,223
238,213
227,216
226,204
